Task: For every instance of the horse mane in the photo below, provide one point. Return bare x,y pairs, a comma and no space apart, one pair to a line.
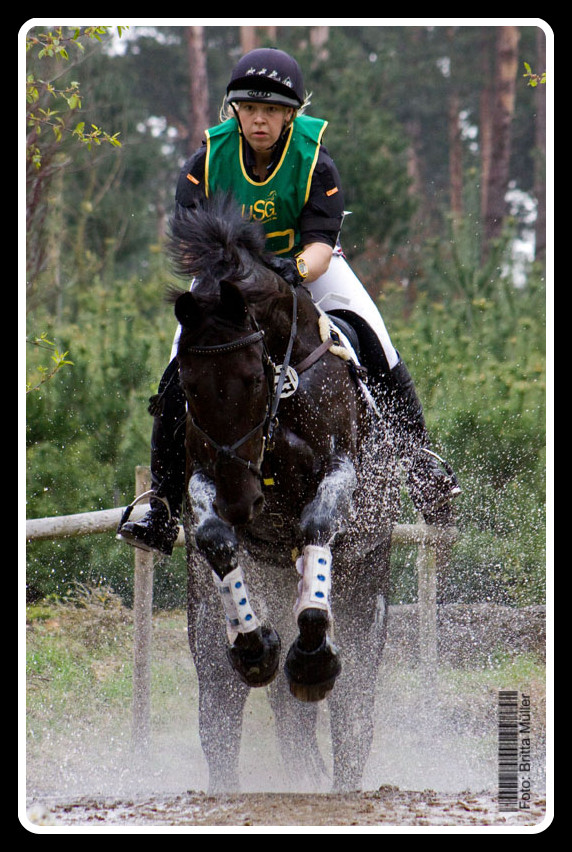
213,242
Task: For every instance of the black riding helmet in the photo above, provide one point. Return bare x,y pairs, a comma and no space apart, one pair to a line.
267,75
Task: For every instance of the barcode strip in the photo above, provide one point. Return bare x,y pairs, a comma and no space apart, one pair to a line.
508,750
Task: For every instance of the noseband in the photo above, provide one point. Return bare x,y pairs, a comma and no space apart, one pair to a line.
268,423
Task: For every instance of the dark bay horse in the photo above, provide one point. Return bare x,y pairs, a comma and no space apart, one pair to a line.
292,493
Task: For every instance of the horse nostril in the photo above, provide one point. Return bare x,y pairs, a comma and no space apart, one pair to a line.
257,506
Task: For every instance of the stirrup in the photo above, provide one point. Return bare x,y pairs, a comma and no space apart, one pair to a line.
153,532
433,489
456,488
127,513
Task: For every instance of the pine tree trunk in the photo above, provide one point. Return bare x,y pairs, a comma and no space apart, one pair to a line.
485,122
455,159
250,37
502,114
540,144
198,108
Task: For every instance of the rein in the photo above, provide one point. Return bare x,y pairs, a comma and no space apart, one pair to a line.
274,393
226,451
287,356
282,376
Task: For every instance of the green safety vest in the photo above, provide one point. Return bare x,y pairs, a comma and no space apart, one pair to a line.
276,202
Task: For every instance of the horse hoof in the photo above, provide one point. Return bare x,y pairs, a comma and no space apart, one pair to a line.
255,656
311,693
312,674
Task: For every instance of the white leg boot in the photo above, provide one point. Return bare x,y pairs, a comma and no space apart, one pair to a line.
239,615
314,589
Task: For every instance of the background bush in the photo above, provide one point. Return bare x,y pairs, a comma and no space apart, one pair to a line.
474,342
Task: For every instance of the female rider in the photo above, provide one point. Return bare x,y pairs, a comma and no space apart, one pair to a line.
269,155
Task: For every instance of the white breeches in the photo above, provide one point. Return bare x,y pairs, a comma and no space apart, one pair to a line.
340,288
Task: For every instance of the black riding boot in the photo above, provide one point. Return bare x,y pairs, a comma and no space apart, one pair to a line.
159,528
430,481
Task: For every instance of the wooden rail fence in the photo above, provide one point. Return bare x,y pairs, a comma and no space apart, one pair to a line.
433,547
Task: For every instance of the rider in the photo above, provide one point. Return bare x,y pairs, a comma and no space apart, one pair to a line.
269,155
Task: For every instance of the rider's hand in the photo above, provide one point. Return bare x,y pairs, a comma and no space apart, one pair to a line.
286,267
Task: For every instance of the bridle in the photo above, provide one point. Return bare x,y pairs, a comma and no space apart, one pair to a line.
275,388
225,451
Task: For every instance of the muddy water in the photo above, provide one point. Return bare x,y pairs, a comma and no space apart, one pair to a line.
386,808
433,763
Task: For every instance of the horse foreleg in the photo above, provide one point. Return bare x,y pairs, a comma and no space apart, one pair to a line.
313,664
324,516
254,648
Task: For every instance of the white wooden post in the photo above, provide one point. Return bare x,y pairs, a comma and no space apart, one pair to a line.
433,556
427,605
142,632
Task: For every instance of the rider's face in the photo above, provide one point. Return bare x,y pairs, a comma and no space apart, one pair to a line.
262,123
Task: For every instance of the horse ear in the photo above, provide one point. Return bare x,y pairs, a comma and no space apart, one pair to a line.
187,311
232,302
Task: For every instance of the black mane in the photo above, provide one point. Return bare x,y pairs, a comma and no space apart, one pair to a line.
213,242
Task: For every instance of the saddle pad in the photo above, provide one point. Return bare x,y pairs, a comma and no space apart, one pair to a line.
332,327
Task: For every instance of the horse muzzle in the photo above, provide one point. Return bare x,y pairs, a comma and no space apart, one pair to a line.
241,511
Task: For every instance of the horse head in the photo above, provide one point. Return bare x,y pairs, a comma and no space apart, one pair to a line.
224,372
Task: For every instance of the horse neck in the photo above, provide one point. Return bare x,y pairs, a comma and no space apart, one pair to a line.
275,316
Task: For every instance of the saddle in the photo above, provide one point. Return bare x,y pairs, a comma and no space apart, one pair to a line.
350,335
369,350
348,331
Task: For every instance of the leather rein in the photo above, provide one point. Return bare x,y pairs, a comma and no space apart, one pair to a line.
276,388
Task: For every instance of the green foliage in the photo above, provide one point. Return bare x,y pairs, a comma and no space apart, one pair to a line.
55,45
475,345
534,79
59,358
88,428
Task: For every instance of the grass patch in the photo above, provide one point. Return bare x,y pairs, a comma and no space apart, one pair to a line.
79,679
78,667
79,707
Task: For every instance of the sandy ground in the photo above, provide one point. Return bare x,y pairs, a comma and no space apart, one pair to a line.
386,808
433,765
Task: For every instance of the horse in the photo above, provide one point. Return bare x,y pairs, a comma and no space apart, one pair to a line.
293,489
